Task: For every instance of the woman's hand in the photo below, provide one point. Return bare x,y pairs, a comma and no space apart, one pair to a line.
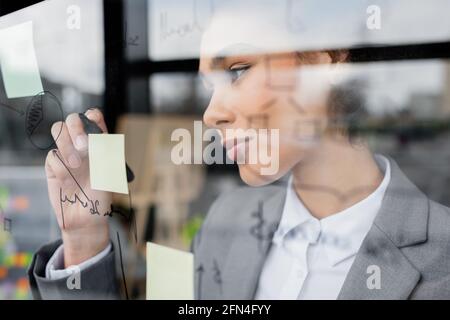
79,209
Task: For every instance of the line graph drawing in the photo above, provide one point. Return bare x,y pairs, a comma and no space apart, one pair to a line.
43,110
7,222
217,274
168,30
94,204
20,112
292,20
199,271
259,229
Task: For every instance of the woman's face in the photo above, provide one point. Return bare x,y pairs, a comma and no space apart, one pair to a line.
267,91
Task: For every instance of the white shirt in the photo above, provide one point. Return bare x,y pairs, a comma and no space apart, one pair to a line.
310,258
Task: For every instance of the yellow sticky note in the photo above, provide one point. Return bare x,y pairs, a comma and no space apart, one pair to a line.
107,166
18,61
170,273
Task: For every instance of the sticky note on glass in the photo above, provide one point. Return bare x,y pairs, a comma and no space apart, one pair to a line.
170,273
18,61
107,166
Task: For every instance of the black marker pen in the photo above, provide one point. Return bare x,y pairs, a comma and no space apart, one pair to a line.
91,127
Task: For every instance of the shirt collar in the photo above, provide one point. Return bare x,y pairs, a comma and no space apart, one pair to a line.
341,234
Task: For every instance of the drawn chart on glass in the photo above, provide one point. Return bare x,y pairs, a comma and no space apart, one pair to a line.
127,40
260,230
217,275
19,112
94,204
199,271
296,105
199,11
7,222
293,21
43,110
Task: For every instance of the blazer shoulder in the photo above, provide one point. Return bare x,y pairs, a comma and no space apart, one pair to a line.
439,220
227,219
437,246
438,208
431,258
228,210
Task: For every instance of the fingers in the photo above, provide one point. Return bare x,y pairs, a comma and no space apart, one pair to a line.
65,146
96,115
71,139
49,170
76,131
55,169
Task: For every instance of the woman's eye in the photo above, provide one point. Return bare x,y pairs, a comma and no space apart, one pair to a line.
237,72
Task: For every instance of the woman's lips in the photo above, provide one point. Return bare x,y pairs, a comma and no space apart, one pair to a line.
236,146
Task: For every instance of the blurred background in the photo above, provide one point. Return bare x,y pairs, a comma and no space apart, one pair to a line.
137,60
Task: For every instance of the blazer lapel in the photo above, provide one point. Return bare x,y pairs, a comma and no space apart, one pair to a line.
250,247
401,222
379,257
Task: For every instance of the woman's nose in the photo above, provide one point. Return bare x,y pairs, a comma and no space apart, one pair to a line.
217,115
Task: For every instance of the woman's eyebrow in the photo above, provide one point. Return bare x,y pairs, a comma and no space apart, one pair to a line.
235,50
217,62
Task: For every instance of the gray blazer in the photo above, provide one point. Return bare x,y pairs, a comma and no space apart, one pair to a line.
409,241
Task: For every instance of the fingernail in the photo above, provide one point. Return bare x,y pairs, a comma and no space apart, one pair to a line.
92,114
74,161
81,142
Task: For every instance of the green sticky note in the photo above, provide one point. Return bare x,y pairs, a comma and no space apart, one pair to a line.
18,61
170,273
4,197
107,166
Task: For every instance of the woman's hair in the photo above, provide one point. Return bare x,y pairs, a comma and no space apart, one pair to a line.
346,108
346,102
